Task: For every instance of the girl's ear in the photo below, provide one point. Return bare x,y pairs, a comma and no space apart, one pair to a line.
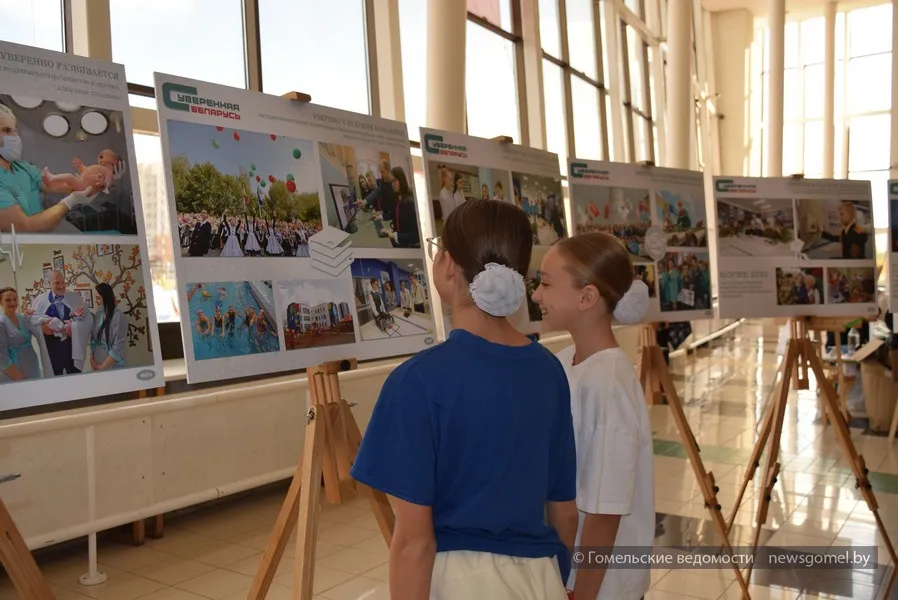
589,296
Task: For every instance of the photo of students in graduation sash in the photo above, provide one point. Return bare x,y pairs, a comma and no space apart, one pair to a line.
836,229
72,309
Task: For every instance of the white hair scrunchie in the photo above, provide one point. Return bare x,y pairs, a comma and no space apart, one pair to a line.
631,308
498,290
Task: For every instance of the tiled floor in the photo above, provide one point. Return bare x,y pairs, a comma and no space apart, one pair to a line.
214,553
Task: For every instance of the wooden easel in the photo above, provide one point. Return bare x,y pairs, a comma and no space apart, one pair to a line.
17,559
655,378
800,356
332,441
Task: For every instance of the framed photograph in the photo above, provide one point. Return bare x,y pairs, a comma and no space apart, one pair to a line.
59,263
344,201
104,249
87,297
47,271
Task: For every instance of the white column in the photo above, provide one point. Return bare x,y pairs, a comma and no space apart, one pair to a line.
776,65
91,29
446,48
680,97
894,168
391,92
829,92
533,67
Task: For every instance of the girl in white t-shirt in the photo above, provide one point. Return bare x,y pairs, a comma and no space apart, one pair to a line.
587,282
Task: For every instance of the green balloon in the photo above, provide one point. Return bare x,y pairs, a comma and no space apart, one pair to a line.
297,153
263,183
215,143
253,167
289,176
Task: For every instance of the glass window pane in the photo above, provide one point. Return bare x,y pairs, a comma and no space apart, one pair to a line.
497,12
581,36
792,45
870,83
413,27
587,130
492,99
841,92
879,190
33,23
151,173
813,149
840,169
337,77
840,36
553,100
637,68
549,28
813,92
813,35
641,141
792,94
636,7
868,140
792,139
180,38
870,30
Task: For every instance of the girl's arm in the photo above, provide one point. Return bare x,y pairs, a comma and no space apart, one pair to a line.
412,551
563,518
599,532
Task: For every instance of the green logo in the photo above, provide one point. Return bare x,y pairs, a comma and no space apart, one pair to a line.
723,185
430,142
578,169
169,88
893,188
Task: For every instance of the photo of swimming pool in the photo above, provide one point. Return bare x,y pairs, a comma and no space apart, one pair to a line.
234,318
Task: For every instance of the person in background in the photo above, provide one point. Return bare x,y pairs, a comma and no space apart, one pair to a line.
490,513
65,323
587,281
18,360
405,218
108,340
419,297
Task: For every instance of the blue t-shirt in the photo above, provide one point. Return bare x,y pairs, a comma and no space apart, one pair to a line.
482,433
21,186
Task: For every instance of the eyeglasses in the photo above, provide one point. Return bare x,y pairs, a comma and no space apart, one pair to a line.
433,246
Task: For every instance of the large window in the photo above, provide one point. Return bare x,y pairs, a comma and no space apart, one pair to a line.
33,23
573,74
201,39
862,99
318,47
491,84
639,126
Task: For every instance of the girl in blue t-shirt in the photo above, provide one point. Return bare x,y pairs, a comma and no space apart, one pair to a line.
473,438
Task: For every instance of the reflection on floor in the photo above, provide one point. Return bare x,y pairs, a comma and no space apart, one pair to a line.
214,552
414,324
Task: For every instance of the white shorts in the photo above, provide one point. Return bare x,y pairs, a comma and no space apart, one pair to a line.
463,575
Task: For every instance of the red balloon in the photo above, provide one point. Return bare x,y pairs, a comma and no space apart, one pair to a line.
271,178
273,137
219,128
291,186
258,178
236,136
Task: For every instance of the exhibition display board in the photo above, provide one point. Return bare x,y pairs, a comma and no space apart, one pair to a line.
76,314
461,167
295,229
659,215
795,247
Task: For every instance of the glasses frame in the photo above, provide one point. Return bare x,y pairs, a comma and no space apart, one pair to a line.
433,247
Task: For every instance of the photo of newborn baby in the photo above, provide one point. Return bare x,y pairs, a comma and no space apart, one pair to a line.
98,177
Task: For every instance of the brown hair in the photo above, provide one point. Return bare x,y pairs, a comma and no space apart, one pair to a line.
600,260
484,231
8,289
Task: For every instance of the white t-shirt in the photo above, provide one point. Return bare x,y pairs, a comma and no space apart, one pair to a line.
615,476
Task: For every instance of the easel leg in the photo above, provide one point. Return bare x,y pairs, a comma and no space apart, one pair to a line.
840,427
286,519
705,479
309,506
19,563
